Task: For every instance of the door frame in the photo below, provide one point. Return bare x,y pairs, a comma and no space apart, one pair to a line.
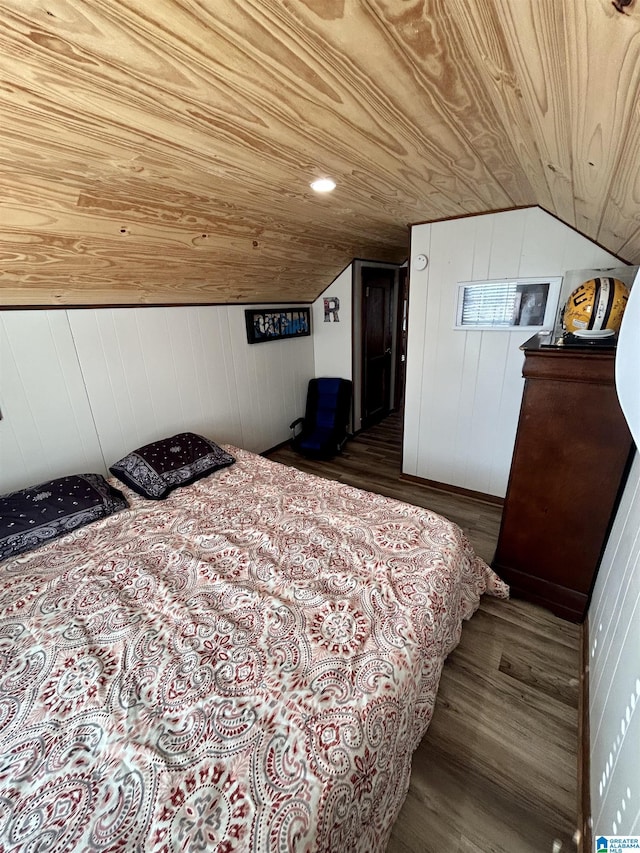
402,333
358,343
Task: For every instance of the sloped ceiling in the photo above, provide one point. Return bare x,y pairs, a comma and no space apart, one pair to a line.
161,151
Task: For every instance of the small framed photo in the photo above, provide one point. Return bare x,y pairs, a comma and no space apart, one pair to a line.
275,324
507,304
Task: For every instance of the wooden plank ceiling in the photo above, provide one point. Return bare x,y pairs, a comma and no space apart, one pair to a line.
161,151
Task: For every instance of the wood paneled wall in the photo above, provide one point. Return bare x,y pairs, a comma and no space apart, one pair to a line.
464,388
162,152
81,388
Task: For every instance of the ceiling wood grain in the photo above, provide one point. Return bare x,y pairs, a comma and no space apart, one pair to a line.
162,152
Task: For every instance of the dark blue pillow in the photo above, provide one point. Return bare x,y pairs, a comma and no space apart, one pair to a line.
162,466
33,516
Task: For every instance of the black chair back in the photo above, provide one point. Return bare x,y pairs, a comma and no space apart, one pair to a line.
326,421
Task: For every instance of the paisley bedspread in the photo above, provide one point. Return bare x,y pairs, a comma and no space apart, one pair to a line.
245,666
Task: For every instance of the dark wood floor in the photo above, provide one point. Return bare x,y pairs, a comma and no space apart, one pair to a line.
496,772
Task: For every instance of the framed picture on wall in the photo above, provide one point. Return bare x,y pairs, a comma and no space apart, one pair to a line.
507,304
274,324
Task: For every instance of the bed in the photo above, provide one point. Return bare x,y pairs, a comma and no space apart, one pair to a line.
247,665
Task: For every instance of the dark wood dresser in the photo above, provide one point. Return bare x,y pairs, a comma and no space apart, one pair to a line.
569,462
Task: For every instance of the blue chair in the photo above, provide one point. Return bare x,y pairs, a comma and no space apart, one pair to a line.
325,423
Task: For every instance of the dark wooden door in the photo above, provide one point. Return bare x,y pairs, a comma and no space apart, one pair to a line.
377,316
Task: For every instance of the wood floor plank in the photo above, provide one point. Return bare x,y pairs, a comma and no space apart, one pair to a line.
544,677
537,621
450,808
496,771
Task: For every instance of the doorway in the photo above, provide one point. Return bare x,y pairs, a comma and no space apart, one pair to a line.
402,312
378,341
378,286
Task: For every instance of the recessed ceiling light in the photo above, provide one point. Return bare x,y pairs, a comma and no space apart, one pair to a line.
323,185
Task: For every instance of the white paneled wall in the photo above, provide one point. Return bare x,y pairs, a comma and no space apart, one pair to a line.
272,380
464,388
80,388
155,371
332,342
47,429
614,627
614,678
